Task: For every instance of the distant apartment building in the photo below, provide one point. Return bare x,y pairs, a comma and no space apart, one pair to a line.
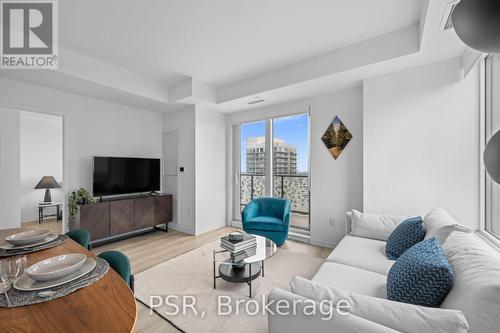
284,157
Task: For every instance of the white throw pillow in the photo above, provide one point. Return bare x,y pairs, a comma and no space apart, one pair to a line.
439,224
476,288
399,316
374,226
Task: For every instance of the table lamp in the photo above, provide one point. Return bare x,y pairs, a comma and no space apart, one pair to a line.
46,183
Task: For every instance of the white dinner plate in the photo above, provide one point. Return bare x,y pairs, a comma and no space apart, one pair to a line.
26,283
49,238
27,237
56,267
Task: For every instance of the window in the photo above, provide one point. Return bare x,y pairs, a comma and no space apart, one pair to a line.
492,125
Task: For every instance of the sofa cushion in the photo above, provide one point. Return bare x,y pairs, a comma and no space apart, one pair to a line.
268,223
374,226
368,254
399,316
421,276
408,233
439,224
476,290
350,278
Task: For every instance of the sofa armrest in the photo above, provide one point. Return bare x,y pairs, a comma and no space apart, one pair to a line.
302,321
396,315
286,213
251,210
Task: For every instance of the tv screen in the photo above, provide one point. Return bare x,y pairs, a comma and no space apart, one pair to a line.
123,175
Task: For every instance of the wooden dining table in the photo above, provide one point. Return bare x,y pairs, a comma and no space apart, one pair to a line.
107,305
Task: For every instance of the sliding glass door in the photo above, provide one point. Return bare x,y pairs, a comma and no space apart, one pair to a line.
291,165
253,166
273,160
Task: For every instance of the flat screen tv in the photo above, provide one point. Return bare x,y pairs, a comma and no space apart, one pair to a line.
125,175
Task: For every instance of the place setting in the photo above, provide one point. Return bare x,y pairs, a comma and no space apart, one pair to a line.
47,279
30,241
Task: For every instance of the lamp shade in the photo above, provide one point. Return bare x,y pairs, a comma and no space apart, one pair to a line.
491,157
47,182
477,23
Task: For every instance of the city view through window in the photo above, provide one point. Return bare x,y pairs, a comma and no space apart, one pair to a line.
290,164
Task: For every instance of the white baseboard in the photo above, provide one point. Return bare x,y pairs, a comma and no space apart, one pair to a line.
181,229
323,243
210,228
236,224
299,237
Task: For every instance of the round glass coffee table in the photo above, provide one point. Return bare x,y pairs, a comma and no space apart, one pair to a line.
247,266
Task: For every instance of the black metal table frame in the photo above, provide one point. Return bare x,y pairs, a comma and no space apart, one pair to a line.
41,216
249,280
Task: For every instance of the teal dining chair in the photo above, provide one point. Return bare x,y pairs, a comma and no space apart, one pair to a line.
121,264
81,236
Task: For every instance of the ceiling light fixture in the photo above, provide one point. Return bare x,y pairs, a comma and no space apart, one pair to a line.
477,23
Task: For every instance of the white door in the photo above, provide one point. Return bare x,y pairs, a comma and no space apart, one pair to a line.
170,147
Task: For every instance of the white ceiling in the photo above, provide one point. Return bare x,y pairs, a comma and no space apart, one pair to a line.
220,41
162,54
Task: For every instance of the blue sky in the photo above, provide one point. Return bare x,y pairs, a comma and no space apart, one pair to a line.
293,129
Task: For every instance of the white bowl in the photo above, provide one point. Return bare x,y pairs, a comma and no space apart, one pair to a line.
56,267
27,237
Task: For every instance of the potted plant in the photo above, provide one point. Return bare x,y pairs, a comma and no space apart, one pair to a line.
76,198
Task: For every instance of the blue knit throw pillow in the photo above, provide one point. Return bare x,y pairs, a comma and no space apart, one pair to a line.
421,276
407,233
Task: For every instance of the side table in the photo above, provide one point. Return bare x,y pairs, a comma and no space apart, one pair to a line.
41,206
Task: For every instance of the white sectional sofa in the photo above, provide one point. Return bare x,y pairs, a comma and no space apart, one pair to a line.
357,270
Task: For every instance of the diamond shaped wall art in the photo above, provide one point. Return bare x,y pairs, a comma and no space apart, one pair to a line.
336,137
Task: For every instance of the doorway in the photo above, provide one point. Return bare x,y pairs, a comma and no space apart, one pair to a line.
41,174
272,159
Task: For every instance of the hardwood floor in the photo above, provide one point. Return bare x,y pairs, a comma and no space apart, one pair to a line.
149,250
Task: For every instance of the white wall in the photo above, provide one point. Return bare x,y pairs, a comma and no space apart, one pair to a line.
336,185
201,204
10,189
41,155
210,170
91,127
420,136
183,121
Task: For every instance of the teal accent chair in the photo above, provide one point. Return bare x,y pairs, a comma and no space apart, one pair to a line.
120,263
81,236
268,217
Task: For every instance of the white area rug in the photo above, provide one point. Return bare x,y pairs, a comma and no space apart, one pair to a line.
192,274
